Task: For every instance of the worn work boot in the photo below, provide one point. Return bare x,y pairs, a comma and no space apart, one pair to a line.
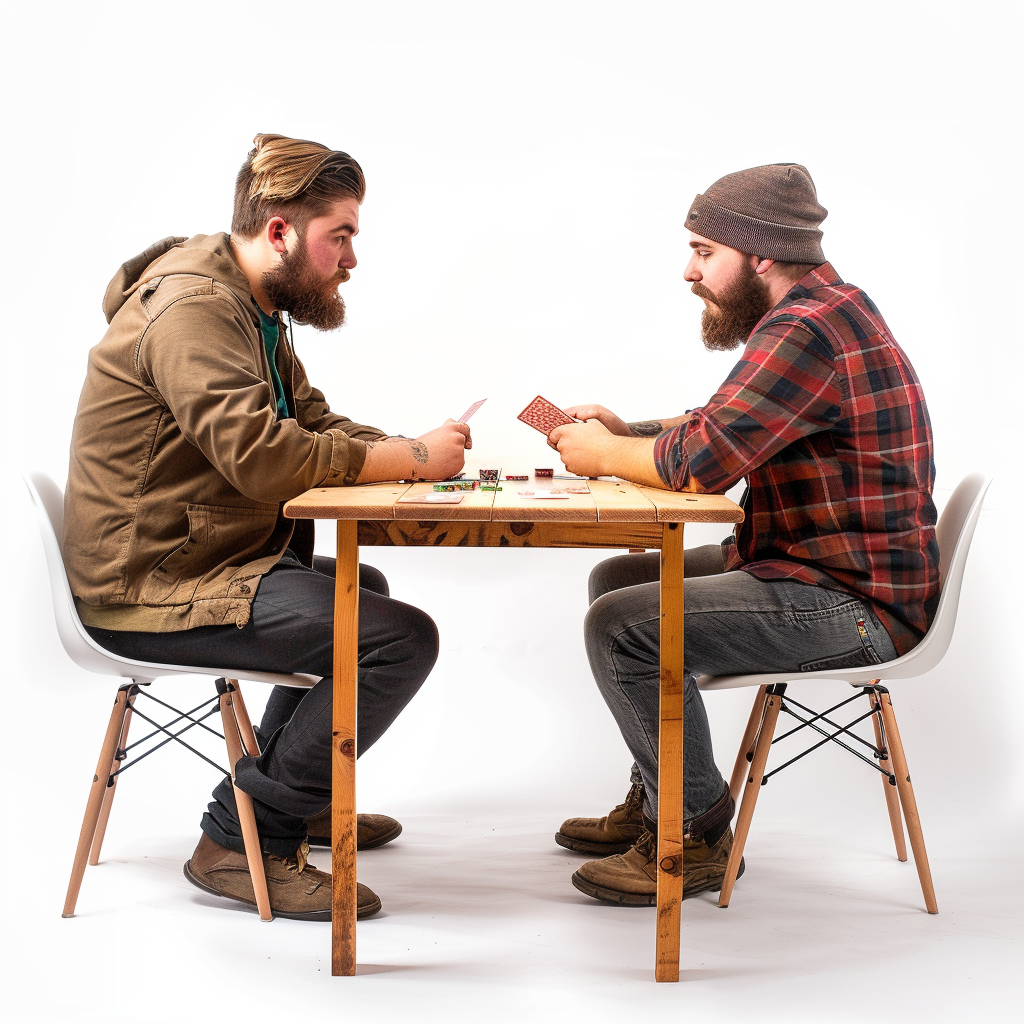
372,830
297,889
616,832
632,878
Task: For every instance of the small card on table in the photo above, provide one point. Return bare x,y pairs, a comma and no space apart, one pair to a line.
433,498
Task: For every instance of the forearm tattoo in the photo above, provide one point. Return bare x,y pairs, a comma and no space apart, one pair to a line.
650,428
418,448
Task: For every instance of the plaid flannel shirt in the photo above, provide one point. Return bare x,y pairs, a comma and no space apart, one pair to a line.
825,417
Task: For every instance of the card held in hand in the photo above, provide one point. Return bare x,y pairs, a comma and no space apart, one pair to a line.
544,416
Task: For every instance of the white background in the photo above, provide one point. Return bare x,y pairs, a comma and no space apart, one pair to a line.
529,169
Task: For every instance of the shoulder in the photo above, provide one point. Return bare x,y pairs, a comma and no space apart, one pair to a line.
196,312
832,315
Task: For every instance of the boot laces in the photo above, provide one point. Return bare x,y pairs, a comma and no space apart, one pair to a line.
647,844
633,797
297,862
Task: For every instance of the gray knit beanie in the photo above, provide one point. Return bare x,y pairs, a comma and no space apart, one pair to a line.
770,211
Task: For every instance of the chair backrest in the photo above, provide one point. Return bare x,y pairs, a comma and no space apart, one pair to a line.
81,648
49,504
955,531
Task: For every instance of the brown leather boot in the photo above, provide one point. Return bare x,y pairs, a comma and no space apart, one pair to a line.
372,830
616,832
632,878
297,889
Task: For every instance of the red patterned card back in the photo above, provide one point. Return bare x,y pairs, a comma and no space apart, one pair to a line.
544,416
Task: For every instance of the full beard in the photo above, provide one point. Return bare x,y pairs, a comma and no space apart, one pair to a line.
295,286
739,309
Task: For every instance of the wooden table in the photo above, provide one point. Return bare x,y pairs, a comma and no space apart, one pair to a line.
612,515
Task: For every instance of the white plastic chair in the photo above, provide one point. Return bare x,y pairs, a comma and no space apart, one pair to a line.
87,654
955,531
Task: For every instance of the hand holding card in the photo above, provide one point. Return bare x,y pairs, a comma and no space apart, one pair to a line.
464,418
544,416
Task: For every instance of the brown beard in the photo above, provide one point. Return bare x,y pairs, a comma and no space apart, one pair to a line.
295,286
739,309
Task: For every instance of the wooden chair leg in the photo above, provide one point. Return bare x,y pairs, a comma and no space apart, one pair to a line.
892,798
108,796
745,754
245,729
243,803
96,795
761,749
906,791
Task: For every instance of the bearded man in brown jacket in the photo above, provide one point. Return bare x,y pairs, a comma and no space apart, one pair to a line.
196,423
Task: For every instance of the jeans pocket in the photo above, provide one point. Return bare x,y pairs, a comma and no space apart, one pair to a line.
851,659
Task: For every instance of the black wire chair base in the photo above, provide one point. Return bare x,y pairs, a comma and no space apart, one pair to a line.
167,729
878,754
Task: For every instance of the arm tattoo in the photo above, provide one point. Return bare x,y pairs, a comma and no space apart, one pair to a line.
418,448
651,428
385,440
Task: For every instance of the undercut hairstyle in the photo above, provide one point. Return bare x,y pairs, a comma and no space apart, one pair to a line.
793,271
293,179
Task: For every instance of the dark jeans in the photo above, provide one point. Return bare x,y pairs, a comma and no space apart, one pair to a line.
735,624
292,630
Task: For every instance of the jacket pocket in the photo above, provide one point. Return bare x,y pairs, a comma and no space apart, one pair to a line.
220,539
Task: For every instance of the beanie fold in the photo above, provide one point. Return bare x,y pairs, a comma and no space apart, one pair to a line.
786,242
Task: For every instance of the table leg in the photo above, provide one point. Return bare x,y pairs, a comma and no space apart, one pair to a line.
343,746
670,757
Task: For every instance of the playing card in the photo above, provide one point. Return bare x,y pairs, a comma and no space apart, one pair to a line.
464,418
544,416
434,498
542,494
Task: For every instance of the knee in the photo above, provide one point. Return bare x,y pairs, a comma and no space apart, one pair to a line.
420,637
373,579
604,577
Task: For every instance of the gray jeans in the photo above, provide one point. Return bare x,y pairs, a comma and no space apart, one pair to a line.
735,623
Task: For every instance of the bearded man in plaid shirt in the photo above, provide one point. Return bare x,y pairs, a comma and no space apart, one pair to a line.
836,561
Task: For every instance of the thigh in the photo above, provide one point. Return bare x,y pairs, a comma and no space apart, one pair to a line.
369,578
623,571
736,623
290,629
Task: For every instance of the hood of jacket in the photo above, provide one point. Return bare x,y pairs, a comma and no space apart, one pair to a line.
206,256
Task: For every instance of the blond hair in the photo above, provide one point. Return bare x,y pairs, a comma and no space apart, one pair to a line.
291,178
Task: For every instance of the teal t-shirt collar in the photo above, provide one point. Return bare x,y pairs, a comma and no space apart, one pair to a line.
270,328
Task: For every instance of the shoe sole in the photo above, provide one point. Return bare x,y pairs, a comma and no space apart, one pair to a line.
314,915
582,846
638,899
325,841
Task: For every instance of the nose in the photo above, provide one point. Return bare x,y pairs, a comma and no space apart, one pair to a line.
692,272
348,261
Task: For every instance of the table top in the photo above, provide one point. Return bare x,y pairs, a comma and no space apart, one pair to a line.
608,502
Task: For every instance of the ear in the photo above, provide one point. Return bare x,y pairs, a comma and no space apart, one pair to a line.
762,266
276,230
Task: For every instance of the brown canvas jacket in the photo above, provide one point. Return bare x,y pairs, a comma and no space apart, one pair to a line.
179,464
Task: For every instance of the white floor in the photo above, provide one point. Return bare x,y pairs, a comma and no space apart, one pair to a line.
481,923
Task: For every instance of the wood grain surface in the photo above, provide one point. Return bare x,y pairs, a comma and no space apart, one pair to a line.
407,533
622,502
343,751
510,506
364,501
475,505
683,507
670,757
607,502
